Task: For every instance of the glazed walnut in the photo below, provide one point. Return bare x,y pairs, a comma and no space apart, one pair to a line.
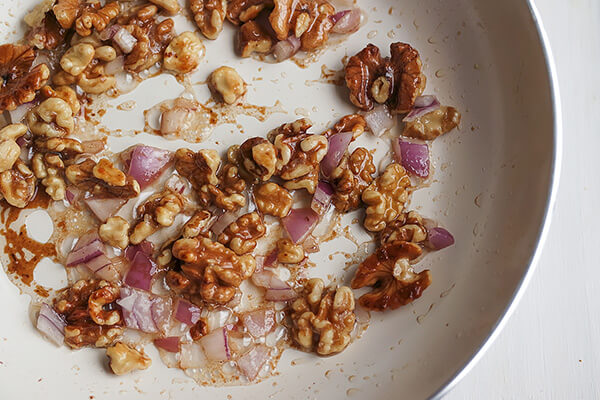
125,359
115,232
408,227
351,178
241,235
272,199
9,149
240,11
65,93
199,168
198,225
92,16
258,157
323,318
91,313
158,211
18,184
354,123
392,277
77,58
209,16
66,11
252,38
170,6
226,84
52,118
288,252
184,53
433,124
209,271
396,81
19,79
102,179
385,198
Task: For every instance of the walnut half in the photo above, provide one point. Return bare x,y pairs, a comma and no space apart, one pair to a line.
125,359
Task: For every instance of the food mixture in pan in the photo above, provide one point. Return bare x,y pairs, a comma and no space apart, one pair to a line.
205,255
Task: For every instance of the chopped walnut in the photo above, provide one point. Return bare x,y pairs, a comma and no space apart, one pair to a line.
19,79
288,252
115,232
433,124
65,93
396,81
351,178
209,271
125,359
103,296
18,184
209,16
47,34
9,149
77,58
199,168
93,80
170,6
36,16
392,277
229,194
323,318
354,123
102,178
258,157
184,53
95,17
52,118
158,211
241,235
385,198
66,11
226,84
240,11
198,225
252,38
408,227
272,199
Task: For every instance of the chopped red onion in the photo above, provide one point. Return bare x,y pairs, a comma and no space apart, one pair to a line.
104,208
145,247
170,344
187,312
322,198
174,120
215,345
271,258
51,324
223,222
439,238
347,21
338,144
98,263
85,253
176,184
259,322
125,40
413,156
147,164
311,244
24,141
285,49
423,105
280,294
109,33
299,223
192,356
379,120
19,113
115,66
144,311
252,362
141,271
268,280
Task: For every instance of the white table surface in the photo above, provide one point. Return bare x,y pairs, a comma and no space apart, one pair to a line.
550,347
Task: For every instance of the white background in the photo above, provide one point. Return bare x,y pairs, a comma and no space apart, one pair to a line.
550,348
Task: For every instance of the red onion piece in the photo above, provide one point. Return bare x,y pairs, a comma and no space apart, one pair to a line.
379,120
299,223
285,49
268,280
311,244
109,33
73,195
215,345
144,311
413,156
125,40
252,362
176,184
439,238
147,164
322,198
145,247
85,253
338,144
19,113
423,105
280,294
51,324
161,313
192,356
259,322
271,258
104,208
174,120
187,312
109,273
170,344
223,222
141,271
347,21
115,66
98,263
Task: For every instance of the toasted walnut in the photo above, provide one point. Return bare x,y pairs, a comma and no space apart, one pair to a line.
158,211
252,38
95,81
125,359
241,235
257,157
52,118
48,34
66,12
433,124
77,58
19,79
351,178
209,16
199,168
102,178
198,225
184,53
105,53
36,16
63,92
17,185
385,198
396,81
408,227
226,84
47,167
288,252
170,6
115,232
240,11
389,272
9,149
272,199
323,319
354,123
105,294
92,16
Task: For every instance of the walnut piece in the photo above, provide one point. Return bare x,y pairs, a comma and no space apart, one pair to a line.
19,79
288,252
258,157
18,184
241,235
102,179
105,294
65,93
351,178
184,53
272,199
115,232
385,198
252,38
158,211
95,17
323,318
170,6
433,124
396,81
226,84
354,123
209,271
77,58
66,11
125,359
240,11
52,118
198,225
209,16
408,227
93,80
392,277
9,149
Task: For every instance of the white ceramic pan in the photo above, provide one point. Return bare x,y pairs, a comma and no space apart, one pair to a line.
495,181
